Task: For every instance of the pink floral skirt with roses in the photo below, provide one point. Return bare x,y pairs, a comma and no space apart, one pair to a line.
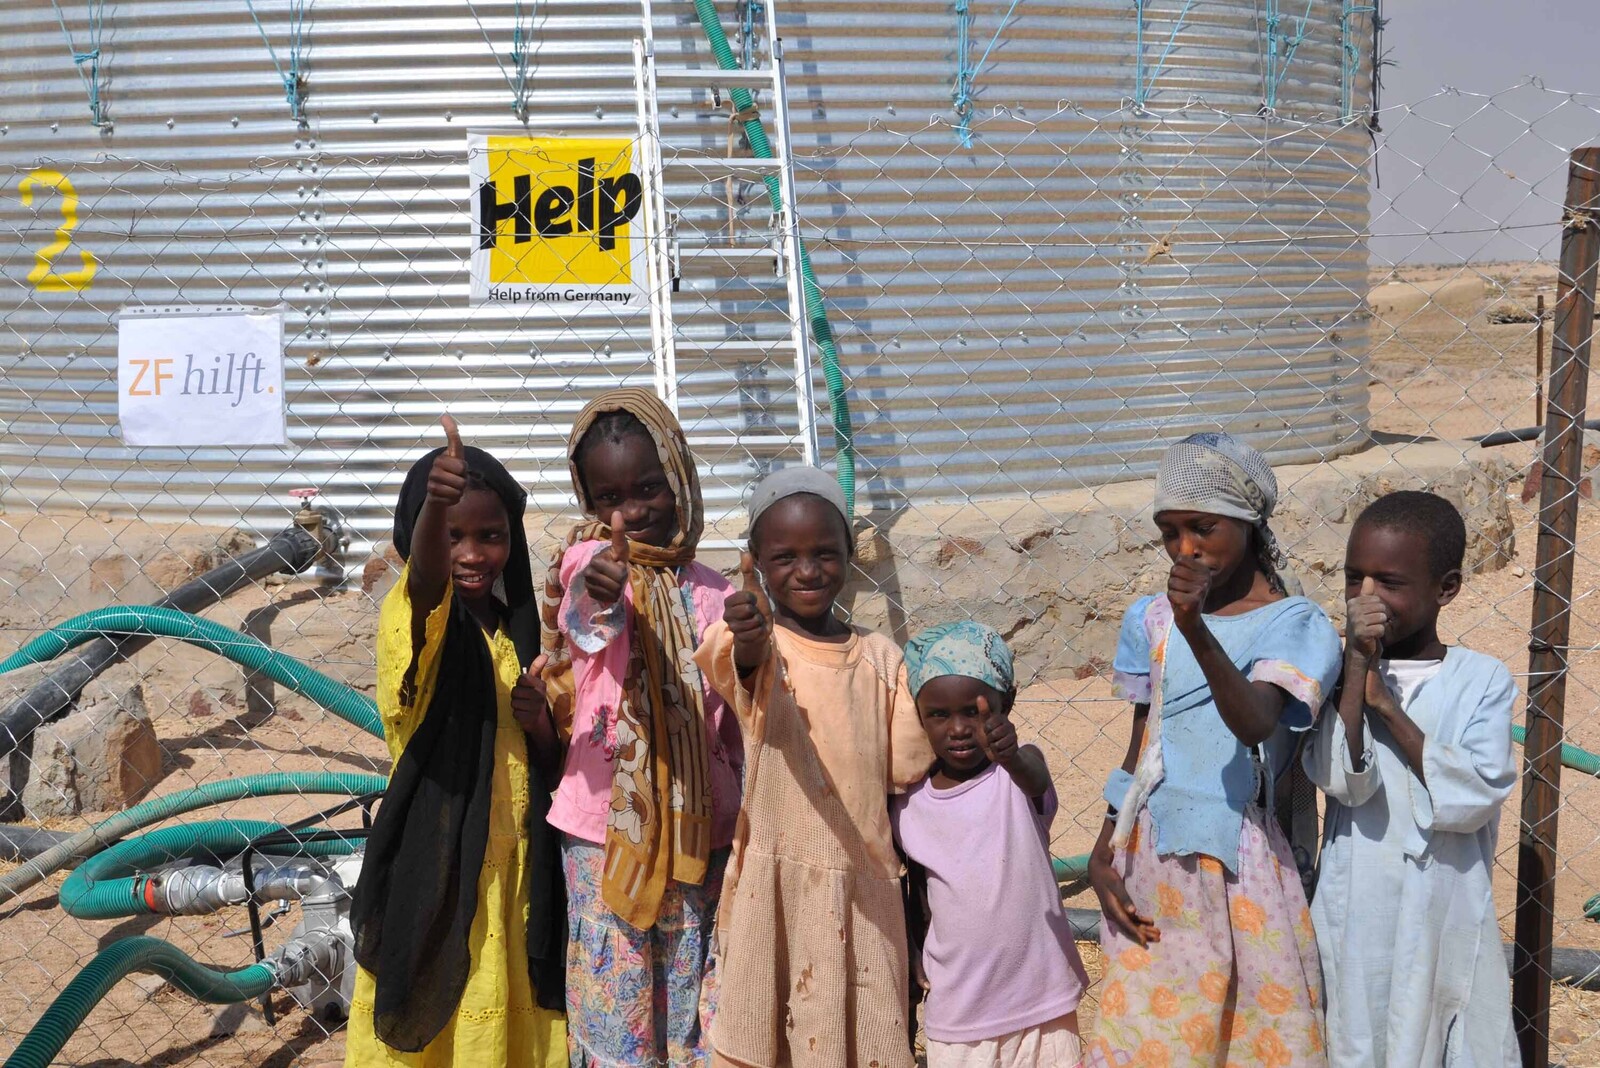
1235,979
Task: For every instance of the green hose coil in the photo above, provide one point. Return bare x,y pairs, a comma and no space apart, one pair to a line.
816,312
161,809
139,954
107,886
349,705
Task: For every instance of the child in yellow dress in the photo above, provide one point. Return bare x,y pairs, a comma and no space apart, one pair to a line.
459,913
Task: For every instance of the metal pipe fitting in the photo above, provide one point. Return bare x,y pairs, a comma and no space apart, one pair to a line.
202,888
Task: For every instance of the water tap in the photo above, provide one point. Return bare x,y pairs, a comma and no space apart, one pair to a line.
320,525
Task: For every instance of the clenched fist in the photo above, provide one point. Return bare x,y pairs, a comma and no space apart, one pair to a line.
1188,586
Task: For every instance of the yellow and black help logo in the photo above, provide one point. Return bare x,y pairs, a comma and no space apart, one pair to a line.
554,219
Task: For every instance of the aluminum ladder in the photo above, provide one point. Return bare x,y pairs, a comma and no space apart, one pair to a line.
679,255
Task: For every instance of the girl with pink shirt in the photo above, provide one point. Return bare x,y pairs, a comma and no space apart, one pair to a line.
1003,976
649,792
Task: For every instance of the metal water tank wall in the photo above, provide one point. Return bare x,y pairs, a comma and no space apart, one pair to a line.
1007,322
1124,245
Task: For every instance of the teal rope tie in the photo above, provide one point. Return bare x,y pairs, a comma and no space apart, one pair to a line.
1142,87
961,95
1269,81
747,33
521,52
87,56
967,73
294,85
1278,69
1352,55
92,57
1138,53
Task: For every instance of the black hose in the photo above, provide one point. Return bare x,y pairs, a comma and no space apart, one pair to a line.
291,550
1578,968
1527,433
24,843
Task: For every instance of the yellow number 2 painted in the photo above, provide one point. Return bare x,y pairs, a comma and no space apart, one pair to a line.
44,276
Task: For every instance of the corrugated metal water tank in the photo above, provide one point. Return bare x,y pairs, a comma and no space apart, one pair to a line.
1157,226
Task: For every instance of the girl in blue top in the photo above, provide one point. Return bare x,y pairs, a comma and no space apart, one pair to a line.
1210,953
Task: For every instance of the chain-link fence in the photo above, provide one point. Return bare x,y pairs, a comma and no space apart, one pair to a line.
1024,304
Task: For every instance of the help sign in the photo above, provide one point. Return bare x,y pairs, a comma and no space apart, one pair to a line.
207,379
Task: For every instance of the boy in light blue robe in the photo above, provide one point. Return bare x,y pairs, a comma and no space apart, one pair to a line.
1416,765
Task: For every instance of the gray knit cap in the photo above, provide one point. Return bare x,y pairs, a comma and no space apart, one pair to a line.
790,481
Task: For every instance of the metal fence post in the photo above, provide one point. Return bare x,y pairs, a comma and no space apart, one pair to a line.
1552,606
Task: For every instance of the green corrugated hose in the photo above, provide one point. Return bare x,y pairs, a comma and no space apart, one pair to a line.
1578,760
162,809
107,886
139,954
816,312
336,697
1071,869
1571,757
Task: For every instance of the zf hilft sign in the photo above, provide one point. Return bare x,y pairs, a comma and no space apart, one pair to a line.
554,222
199,379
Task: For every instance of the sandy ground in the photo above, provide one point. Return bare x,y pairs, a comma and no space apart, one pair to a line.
1440,369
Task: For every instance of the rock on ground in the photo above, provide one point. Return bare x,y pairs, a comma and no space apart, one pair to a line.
103,757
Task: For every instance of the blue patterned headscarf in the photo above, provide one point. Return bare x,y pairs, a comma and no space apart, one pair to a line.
964,648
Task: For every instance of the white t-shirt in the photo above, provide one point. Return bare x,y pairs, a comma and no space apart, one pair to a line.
1404,676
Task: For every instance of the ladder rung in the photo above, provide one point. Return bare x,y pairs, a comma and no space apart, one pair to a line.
735,253
735,350
708,76
745,441
723,165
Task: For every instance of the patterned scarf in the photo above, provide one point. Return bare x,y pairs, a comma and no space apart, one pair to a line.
659,823
1217,473
968,648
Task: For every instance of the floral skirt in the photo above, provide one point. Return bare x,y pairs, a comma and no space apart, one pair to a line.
1235,978
634,997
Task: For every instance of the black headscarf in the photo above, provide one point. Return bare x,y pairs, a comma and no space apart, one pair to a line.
418,890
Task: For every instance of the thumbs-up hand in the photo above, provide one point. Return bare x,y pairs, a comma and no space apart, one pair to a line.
996,735
607,573
528,702
1366,621
447,479
749,616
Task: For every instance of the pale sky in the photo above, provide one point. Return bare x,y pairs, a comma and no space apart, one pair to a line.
1495,156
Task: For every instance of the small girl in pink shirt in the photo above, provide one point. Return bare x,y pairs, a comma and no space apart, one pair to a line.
649,792
1003,976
